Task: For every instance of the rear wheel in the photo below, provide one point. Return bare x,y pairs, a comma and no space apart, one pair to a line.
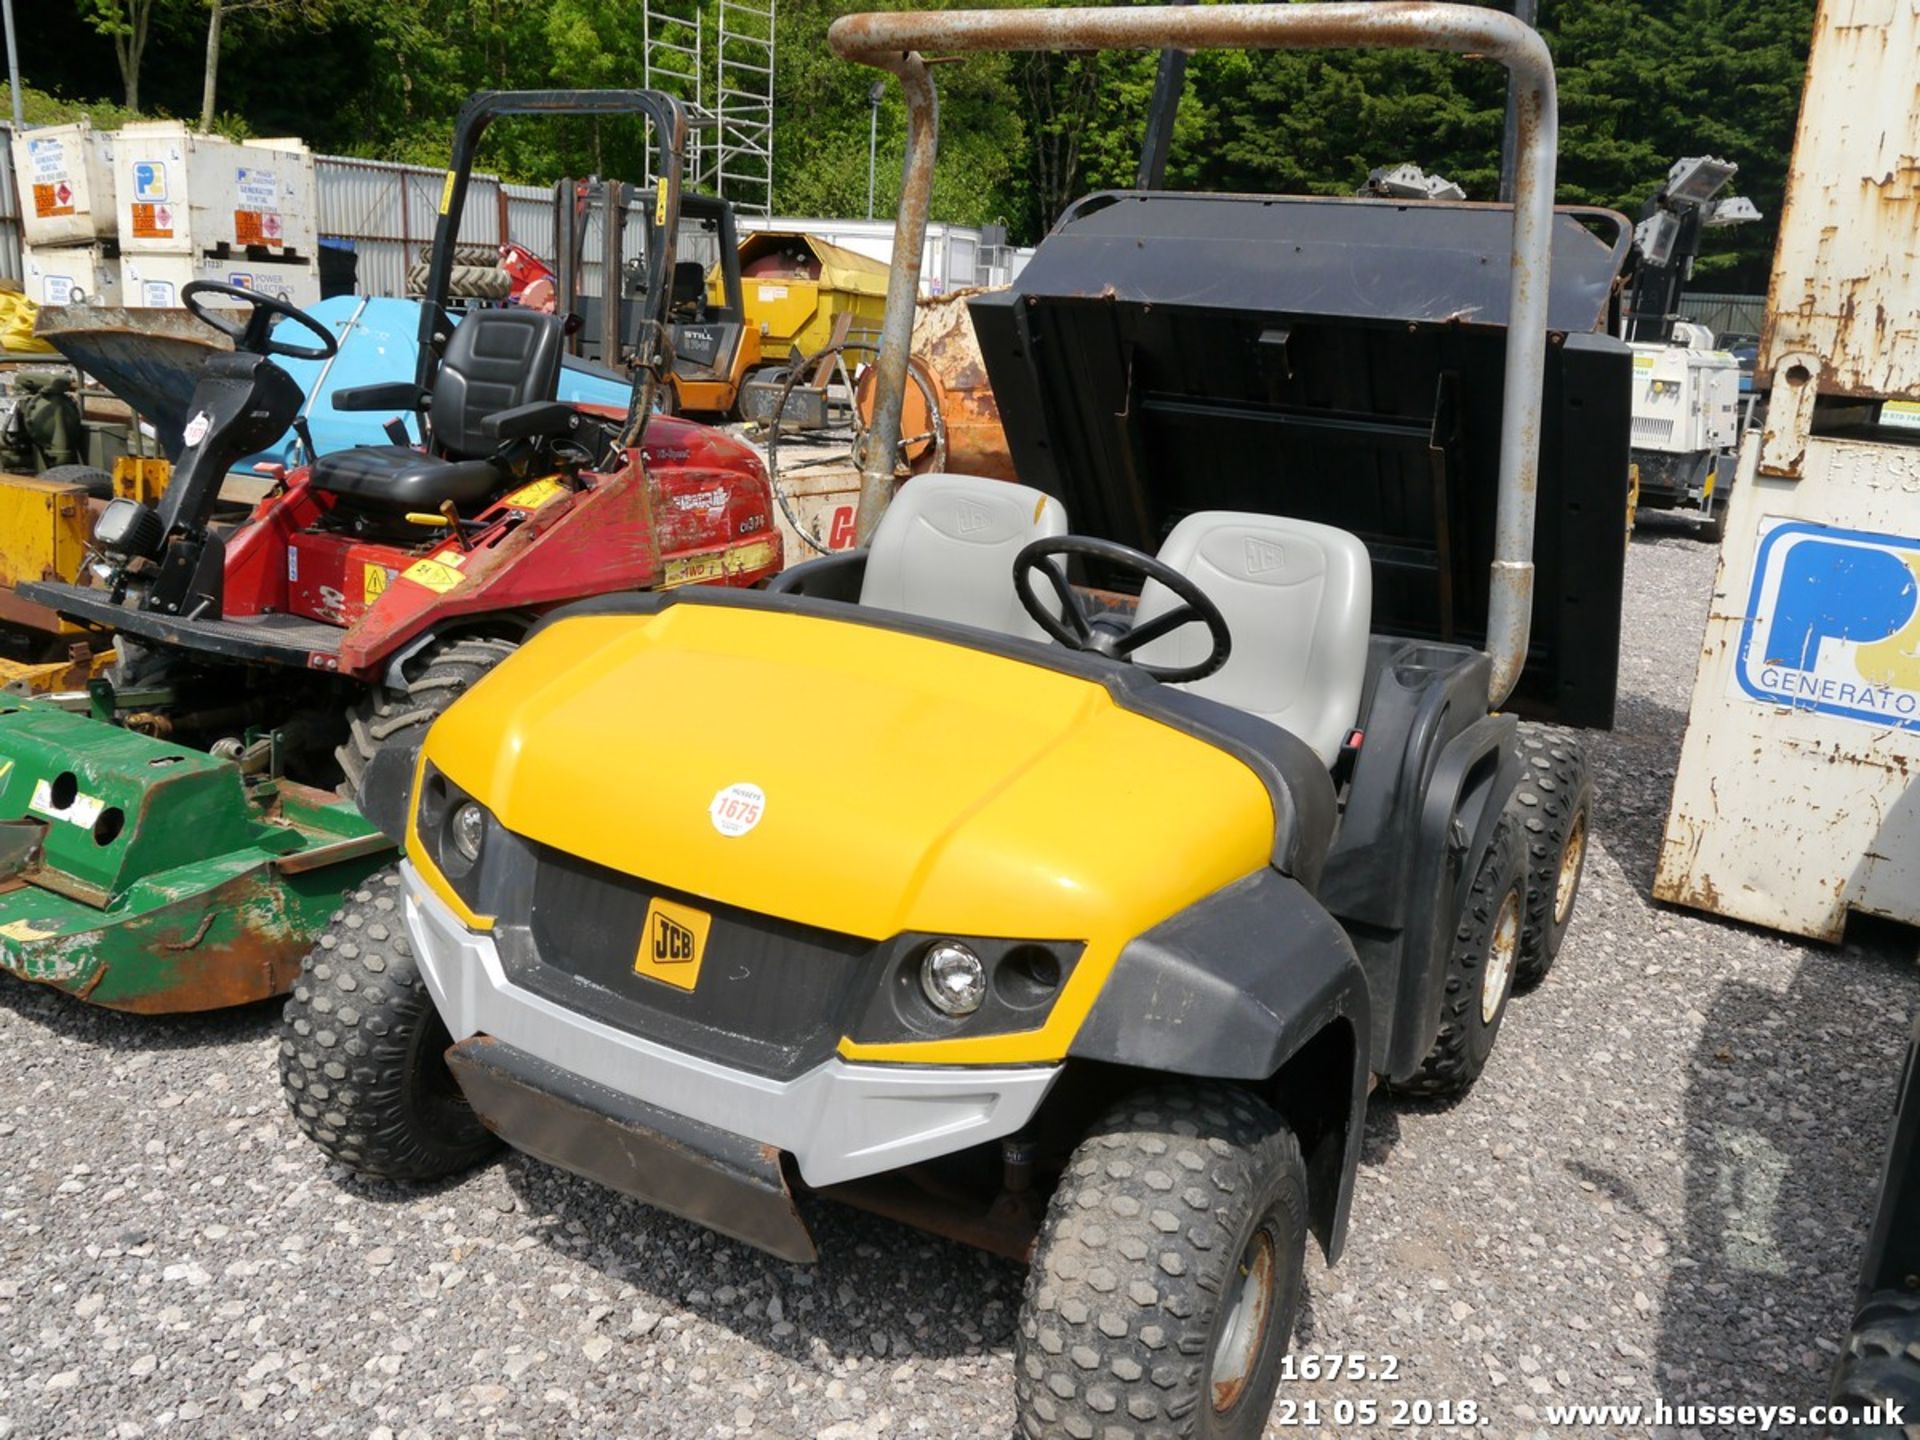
1880,1368
1713,526
363,1050
441,674
1167,1273
1480,972
1552,810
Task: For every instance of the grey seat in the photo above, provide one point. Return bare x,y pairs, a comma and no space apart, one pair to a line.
945,550
1298,601
495,360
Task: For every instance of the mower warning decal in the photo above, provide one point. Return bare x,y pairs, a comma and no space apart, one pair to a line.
532,497
373,582
671,944
1833,623
437,573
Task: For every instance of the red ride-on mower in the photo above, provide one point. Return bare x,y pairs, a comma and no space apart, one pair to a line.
173,838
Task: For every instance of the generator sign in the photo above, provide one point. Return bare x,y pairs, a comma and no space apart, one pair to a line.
1833,624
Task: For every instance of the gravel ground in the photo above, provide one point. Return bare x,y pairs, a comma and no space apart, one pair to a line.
1658,1190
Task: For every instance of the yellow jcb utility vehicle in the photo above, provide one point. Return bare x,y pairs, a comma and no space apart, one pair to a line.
1078,934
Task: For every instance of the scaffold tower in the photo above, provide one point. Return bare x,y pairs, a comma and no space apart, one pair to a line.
717,57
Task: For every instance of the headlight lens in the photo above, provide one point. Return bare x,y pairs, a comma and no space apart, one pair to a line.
953,978
468,827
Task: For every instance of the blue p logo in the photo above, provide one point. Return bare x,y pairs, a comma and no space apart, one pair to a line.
1837,592
1833,623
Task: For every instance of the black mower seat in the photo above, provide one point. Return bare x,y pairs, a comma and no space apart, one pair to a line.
400,478
496,360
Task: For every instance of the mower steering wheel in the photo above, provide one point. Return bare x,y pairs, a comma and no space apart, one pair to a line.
256,333
1075,628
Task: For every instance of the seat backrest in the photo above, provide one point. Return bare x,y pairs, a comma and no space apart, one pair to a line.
689,298
945,550
1298,600
495,360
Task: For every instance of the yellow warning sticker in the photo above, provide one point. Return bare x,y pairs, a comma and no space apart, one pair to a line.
660,202
27,930
373,582
436,575
446,194
532,497
717,564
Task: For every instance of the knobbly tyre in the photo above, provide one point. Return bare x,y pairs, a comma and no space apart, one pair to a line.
1078,933
173,838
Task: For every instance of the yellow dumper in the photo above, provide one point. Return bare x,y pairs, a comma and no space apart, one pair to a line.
795,285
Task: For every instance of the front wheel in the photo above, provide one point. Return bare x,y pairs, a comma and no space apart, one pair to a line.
1166,1276
444,672
363,1050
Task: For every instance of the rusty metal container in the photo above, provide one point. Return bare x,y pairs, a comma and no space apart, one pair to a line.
1798,794
947,360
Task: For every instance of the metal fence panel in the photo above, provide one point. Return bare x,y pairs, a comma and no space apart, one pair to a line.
388,211
12,265
1726,314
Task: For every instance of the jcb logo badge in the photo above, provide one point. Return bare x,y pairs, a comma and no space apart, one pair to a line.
671,944
1833,624
1263,555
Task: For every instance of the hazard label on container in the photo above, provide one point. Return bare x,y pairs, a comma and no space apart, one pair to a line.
257,227
152,222
53,199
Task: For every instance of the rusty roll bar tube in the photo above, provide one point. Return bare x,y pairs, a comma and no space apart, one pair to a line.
896,41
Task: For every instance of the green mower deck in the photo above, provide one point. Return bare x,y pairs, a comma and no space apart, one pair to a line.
141,875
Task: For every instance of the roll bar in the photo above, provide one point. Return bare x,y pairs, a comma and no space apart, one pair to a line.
896,41
668,118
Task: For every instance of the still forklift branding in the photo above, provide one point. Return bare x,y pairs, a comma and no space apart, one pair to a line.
1833,623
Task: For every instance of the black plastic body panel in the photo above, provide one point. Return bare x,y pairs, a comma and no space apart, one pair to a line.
1140,381
1395,875
1233,988
1893,1245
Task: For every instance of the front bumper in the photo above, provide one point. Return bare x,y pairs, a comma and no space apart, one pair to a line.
839,1121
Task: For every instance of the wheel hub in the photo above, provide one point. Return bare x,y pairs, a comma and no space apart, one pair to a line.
1237,1352
1502,952
1572,854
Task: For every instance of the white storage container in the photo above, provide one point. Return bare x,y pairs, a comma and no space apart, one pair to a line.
71,275
65,176
190,194
155,281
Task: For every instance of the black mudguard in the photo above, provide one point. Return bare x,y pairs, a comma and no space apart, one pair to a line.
1235,987
1472,778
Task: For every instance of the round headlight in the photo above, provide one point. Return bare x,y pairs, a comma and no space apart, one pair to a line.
953,978
468,827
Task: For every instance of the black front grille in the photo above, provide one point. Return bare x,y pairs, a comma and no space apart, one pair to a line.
772,997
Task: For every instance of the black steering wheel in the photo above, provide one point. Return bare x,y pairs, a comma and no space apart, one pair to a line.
1075,628
256,333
